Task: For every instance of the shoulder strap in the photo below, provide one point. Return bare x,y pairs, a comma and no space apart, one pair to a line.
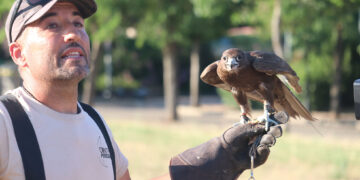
96,117
26,139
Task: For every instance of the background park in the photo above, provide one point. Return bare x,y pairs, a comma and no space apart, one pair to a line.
146,61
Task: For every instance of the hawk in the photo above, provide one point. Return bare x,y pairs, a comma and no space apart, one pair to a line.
253,75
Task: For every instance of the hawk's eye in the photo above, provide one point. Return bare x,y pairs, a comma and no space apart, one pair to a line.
238,58
224,58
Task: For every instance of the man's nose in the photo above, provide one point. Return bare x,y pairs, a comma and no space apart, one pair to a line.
71,34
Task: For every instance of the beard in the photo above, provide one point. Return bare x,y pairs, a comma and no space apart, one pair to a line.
75,72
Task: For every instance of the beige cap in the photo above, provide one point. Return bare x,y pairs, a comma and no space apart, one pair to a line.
24,12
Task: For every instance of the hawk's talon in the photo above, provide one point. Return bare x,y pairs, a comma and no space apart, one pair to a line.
244,119
272,122
269,119
270,109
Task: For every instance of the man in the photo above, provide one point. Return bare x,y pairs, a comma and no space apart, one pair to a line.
49,44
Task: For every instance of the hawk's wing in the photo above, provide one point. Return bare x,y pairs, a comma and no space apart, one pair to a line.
210,76
272,64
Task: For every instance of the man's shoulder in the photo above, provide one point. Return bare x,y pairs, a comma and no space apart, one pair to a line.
3,109
4,119
16,92
9,96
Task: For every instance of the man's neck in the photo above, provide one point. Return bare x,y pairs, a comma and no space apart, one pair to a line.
59,96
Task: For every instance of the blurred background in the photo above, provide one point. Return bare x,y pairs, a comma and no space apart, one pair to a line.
147,57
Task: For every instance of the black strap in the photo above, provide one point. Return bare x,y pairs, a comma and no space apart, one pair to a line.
95,116
26,139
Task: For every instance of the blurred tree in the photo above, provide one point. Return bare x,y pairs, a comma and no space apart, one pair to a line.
322,30
102,27
159,23
171,25
203,22
275,29
194,74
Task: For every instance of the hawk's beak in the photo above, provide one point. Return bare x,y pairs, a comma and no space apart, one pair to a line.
230,63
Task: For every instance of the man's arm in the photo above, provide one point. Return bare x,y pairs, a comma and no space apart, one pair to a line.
266,141
126,176
227,156
263,150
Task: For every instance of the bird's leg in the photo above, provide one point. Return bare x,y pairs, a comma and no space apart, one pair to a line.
268,110
241,99
265,90
243,118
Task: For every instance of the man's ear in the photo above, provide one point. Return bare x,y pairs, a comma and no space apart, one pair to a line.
16,53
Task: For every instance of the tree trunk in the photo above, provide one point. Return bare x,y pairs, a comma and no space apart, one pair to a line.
194,75
89,84
287,45
107,93
307,101
170,89
336,84
275,29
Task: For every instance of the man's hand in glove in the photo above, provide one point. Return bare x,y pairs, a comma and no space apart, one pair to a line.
227,156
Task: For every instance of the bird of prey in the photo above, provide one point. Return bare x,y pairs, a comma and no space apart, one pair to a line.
253,75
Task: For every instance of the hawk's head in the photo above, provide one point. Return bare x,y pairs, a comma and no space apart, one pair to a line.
234,59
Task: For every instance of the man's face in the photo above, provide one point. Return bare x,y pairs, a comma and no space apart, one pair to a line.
56,47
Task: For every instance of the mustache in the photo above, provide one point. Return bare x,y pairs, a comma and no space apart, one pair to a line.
73,44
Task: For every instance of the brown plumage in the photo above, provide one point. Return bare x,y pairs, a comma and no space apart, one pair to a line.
254,75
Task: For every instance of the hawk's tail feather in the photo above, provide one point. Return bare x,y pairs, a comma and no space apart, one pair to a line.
296,105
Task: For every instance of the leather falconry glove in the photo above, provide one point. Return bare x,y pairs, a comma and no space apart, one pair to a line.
227,156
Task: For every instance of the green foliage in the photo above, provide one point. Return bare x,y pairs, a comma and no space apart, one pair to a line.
314,26
228,99
181,22
106,22
4,9
2,35
160,23
314,71
256,14
206,8
118,81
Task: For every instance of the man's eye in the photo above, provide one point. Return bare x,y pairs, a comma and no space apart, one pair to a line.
52,26
78,24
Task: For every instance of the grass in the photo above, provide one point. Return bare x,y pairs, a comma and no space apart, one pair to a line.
150,145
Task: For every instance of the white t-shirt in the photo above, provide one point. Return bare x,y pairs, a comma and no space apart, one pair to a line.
72,145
